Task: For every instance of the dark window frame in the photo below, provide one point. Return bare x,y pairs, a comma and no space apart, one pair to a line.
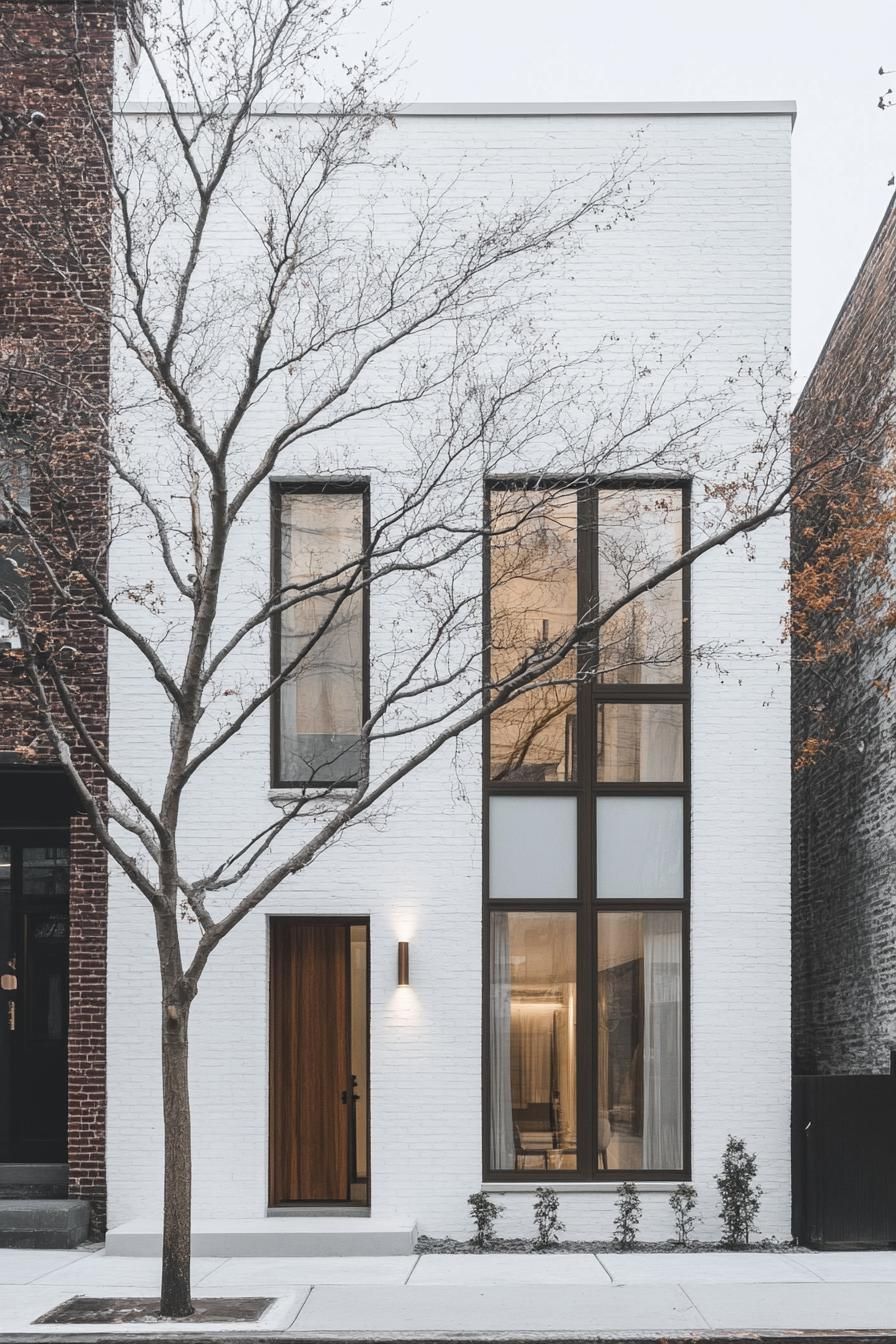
586,790
6,439
317,486
16,547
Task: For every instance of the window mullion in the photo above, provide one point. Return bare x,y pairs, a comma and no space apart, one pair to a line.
587,962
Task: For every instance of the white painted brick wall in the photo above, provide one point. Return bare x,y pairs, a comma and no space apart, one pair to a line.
709,254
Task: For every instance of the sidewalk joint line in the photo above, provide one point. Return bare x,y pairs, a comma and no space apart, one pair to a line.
417,1260
694,1305
817,1277
40,1277
604,1267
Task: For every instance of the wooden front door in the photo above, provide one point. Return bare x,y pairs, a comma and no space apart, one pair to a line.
33,996
315,1075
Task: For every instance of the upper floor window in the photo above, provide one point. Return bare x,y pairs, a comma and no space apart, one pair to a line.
320,633
533,589
15,493
638,533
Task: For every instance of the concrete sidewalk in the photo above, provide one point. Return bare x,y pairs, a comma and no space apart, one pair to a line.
509,1296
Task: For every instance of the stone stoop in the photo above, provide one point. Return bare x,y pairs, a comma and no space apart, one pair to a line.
272,1237
33,1180
43,1224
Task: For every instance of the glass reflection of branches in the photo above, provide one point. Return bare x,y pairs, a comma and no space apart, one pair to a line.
639,532
533,608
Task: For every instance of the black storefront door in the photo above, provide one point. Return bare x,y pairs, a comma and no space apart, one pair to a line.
33,995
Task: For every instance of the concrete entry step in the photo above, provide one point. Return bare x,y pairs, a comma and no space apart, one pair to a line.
33,1180
272,1237
43,1224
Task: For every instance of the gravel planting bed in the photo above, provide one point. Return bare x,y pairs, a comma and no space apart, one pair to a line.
524,1246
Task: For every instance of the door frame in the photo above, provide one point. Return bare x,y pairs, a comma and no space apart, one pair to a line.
18,836
347,1206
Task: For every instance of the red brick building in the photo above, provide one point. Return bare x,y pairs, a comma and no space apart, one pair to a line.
57,59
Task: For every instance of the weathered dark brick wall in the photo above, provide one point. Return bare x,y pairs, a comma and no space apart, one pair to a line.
54,376
844,801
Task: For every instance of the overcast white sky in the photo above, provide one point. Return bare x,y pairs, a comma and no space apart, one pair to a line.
823,53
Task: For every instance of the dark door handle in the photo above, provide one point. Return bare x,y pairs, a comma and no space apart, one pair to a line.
354,1095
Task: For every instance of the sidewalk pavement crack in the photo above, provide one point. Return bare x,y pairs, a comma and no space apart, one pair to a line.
302,1306
411,1270
694,1305
220,1265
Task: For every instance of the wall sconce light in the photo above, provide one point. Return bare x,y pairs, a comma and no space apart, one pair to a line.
404,973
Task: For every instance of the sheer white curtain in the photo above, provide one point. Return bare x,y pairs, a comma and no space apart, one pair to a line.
503,1152
662,1041
321,703
659,735
534,1051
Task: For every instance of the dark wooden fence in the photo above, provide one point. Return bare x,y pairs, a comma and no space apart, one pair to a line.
844,1161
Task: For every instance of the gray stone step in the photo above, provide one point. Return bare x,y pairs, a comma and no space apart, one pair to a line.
272,1237
43,1224
33,1180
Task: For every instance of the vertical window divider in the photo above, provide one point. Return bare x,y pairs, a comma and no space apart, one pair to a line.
687,700
586,1022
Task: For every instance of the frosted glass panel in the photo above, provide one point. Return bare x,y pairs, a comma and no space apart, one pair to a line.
639,849
532,849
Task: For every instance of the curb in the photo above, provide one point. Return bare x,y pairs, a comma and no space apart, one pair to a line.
225,1336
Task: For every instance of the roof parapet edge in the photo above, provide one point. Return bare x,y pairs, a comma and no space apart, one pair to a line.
757,108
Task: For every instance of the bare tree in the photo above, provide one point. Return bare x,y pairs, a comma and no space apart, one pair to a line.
364,303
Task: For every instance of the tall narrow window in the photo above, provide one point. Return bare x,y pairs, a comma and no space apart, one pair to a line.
15,493
587,780
320,635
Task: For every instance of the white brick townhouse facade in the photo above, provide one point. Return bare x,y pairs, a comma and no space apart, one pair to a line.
636,1007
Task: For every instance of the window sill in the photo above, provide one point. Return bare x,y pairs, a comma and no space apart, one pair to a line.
318,1211
579,1187
283,794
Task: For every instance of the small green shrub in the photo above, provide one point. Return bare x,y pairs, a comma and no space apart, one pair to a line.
485,1213
547,1217
628,1215
683,1202
739,1193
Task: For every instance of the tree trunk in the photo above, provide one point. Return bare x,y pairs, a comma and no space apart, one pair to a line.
175,1297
